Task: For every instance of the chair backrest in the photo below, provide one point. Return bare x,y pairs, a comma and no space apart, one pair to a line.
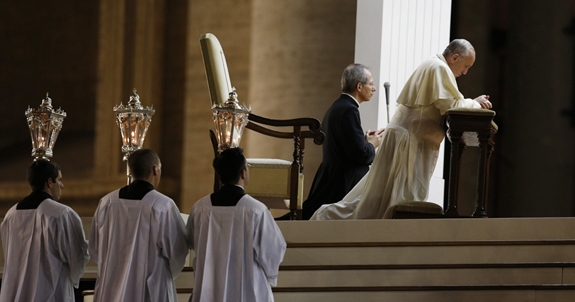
216,69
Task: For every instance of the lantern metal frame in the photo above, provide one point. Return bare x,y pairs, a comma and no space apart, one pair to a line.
44,124
230,119
134,121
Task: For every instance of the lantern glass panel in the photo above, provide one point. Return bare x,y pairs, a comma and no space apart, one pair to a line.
133,128
44,129
230,123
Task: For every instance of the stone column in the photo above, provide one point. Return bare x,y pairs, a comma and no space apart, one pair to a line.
230,21
110,71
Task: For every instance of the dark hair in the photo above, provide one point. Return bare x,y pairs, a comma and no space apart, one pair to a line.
353,75
229,165
40,171
141,163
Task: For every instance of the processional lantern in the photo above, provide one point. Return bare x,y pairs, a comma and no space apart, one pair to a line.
45,124
230,119
133,120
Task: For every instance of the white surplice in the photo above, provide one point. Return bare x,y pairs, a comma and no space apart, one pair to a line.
140,248
238,251
409,148
44,253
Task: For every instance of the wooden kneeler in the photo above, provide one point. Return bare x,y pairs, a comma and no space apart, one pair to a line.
417,209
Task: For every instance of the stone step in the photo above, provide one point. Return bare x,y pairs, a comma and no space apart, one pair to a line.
433,294
523,259
381,253
428,230
367,276
524,293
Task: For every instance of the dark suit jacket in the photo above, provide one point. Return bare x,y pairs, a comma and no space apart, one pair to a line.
346,156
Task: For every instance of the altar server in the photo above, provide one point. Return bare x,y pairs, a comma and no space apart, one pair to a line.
44,245
238,245
138,238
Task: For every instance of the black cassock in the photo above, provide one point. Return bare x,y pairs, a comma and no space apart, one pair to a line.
346,156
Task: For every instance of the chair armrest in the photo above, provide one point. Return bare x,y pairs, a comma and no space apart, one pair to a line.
255,123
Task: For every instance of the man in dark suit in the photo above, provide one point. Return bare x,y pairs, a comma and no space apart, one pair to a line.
347,150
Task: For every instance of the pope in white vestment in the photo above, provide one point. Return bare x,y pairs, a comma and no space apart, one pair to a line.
238,251
47,252
408,152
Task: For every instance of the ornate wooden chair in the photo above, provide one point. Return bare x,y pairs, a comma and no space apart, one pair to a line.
272,181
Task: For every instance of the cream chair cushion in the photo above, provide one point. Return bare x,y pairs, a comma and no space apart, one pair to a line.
270,181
